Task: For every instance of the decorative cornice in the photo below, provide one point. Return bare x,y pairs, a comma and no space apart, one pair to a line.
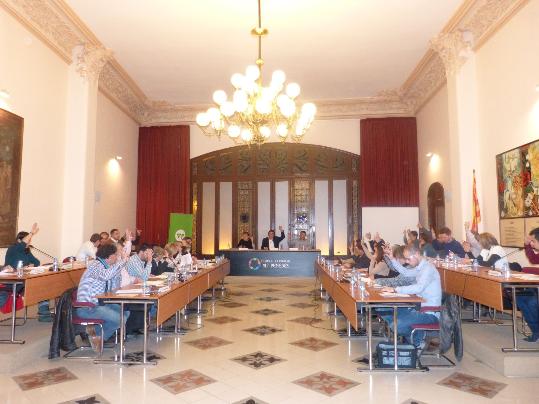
90,60
479,19
54,22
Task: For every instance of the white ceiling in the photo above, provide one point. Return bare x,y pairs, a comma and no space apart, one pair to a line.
182,50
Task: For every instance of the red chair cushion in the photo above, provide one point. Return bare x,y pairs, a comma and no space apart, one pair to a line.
80,320
530,270
83,304
434,327
425,309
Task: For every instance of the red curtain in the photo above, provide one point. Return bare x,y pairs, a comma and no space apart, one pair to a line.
164,184
389,173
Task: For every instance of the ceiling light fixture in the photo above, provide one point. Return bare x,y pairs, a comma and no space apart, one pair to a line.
255,112
429,154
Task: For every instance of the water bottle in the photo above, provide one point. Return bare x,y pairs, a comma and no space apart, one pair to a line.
455,262
55,265
86,261
144,287
506,271
71,261
20,270
437,260
475,265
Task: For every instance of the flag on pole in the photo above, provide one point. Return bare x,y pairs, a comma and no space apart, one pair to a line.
476,212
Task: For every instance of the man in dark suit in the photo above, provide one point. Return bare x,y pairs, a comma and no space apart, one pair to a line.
272,242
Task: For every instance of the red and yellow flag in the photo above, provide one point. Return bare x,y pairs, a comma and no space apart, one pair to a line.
476,212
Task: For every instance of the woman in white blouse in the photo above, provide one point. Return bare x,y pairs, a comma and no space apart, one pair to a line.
492,253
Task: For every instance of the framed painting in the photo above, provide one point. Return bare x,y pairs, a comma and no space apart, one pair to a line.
518,181
11,130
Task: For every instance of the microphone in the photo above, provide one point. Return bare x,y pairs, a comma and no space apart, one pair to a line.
41,251
507,255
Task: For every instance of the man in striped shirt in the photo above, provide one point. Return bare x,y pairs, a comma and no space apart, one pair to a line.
139,265
96,280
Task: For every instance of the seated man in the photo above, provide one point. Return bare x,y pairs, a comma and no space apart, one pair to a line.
139,265
95,280
272,242
527,301
20,251
427,285
246,241
358,258
89,248
302,243
446,244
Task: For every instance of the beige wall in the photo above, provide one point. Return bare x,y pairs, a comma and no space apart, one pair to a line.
36,79
433,137
508,72
115,180
339,134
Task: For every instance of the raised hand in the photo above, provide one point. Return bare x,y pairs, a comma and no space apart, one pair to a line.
35,229
466,226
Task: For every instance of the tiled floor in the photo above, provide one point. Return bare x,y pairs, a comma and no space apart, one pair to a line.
278,361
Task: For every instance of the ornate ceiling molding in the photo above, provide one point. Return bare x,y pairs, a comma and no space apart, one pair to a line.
477,20
55,23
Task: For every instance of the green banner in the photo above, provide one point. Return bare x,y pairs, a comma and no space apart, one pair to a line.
181,225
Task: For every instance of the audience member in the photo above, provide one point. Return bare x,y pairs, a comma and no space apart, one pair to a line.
527,301
246,241
492,254
96,280
89,248
427,285
446,244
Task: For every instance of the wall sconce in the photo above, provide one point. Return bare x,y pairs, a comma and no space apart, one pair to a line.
118,158
4,100
537,88
429,154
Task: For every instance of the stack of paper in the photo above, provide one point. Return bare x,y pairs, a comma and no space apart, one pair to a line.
134,291
391,294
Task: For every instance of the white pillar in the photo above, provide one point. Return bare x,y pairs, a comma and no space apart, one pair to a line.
460,66
79,152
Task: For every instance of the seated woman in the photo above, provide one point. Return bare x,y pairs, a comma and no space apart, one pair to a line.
159,262
246,241
425,245
378,268
492,254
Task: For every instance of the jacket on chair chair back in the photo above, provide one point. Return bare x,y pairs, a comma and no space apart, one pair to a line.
450,326
63,331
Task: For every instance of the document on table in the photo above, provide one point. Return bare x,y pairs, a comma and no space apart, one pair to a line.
391,294
527,277
134,291
154,283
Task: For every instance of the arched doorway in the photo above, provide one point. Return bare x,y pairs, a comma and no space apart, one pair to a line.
436,206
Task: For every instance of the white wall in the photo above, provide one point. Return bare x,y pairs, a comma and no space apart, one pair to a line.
508,72
389,222
36,79
433,137
115,180
339,134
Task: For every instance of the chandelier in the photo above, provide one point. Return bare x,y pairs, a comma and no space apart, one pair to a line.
255,112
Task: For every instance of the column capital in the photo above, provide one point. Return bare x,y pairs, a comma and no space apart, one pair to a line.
90,60
452,48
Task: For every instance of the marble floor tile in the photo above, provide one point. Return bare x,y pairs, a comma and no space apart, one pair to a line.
180,382
472,384
91,399
413,401
258,360
137,356
238,293
268,299
266,312
326,383
314,344
302,305
208,342
306,320
232,305
44,378
300,294
263,330
222,319
250,400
